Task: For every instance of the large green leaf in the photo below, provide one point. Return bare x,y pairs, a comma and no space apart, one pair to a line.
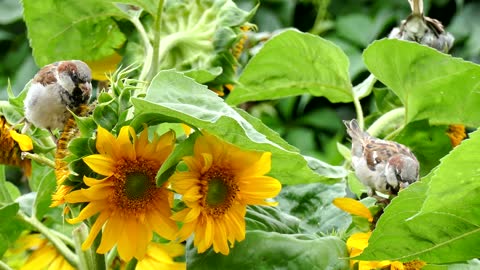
72,29
312,204
431,85
10,227
174,95
438,219
271,250
295,63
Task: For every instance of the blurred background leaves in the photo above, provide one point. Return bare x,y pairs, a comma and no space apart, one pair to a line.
350,24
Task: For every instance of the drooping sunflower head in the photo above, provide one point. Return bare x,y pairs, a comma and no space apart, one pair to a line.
12,144
130,205
221,181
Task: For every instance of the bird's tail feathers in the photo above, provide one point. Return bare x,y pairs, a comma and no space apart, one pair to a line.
353,129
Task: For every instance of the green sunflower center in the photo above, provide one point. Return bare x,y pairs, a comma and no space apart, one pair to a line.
136,185
217,192
220,190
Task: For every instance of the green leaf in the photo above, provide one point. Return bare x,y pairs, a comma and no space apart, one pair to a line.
323,168
44,194
431,85
270,219
106,115
271,250
428,143
10,227
10,11
168,167
386,100
72,29
5,195
295,63
438,219
174,95
312,204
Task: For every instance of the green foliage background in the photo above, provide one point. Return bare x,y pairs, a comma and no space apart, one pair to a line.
292,102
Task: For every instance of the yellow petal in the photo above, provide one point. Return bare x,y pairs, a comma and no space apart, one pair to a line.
353,207
101,164
124,142
97,226
104,66
105,143
358,241
90,210
113,230
23,140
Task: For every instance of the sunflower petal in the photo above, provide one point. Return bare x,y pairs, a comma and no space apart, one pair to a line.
24,142
101,164
106,143
353,207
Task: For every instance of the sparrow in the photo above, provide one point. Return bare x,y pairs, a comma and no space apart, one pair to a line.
56,89
423,30
381,165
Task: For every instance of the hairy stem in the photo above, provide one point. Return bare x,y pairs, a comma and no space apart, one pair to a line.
393,116
157,27
57,243
359,111
40,159
147,46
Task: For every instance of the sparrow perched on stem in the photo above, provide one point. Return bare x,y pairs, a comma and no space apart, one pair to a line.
381,165
56,89
423,30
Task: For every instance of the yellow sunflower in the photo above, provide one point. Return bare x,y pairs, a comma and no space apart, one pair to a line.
12,144
41,254
130,205
357,242
221,181
160,256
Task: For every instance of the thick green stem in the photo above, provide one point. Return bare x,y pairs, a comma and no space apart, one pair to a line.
4,266
89,259
57,243
147,47
40,159
391,117
157,27
359,111
132,264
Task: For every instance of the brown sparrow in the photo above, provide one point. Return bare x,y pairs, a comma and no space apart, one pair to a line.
423,30
381,165
54,90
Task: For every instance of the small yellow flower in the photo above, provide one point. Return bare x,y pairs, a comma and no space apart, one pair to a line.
222,180
353,207
44,255
160,256
456,133
357,242
130,205
12,145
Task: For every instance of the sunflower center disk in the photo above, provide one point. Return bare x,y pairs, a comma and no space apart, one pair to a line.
217,192
136,185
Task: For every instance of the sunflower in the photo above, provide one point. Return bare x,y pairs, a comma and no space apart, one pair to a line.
130,205
160,256
40,252
12,144
357,242
221,181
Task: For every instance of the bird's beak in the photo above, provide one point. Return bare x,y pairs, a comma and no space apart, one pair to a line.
404,185
86,88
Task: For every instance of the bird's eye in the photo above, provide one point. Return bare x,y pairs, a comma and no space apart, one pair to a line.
74,77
